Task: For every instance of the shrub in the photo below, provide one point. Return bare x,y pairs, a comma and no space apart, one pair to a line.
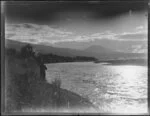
56,82
56,92
27,51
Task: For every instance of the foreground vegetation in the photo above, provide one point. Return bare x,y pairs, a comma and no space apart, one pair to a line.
28,89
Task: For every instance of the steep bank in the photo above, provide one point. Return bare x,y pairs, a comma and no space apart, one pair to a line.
26,90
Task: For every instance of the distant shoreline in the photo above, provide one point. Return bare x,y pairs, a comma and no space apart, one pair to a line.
136,62
141,62
70,62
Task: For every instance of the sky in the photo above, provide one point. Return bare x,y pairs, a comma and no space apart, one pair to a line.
121,26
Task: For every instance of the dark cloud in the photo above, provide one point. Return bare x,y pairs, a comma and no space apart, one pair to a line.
48,11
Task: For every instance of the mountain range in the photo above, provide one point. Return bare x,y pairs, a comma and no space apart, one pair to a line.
99,52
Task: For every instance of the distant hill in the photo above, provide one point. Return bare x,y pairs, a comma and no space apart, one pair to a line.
99,49
98,52
101,52
44,49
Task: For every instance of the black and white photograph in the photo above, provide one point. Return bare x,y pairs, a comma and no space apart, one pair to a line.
75,57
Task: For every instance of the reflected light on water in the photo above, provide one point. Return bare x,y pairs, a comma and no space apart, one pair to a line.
132,88
113,89
129,72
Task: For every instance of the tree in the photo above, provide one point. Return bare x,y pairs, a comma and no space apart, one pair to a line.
27,51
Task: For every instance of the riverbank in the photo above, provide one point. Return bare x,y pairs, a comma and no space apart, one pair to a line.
27,91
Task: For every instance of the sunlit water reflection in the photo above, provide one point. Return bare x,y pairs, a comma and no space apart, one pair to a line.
117,89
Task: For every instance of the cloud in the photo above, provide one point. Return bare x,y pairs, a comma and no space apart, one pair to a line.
37,34
139,34
140,27
104,35
139,49
34,33
132,36
126,36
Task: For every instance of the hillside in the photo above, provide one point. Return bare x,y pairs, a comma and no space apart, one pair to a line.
98,52
45,49
103,53
27,91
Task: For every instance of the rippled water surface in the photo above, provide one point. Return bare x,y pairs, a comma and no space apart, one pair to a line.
117,89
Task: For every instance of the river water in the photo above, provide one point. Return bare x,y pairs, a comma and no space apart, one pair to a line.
112,88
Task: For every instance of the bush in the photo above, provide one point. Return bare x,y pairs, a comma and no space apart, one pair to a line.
56,92
56,82
27,51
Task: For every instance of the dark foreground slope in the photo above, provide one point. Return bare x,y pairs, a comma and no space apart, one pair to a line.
26,91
